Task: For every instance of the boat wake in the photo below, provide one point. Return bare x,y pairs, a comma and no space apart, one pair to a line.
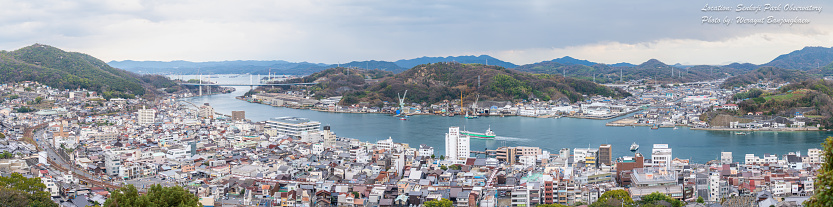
511,138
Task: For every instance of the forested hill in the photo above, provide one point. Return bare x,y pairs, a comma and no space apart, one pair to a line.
56,68
766,73
805,59
432,83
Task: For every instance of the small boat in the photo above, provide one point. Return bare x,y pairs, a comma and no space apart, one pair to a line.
740,133
675,127
488,135
470,116
655,127
634,146
403,119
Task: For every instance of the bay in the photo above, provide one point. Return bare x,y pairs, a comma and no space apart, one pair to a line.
548,134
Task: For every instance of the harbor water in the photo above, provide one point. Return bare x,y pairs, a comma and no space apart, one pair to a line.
549,134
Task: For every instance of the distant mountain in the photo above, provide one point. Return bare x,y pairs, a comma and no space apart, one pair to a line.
245,66
69,70
218,67
622,64
804,59
567,60
653,70
372,64
482,59
742,66
129,64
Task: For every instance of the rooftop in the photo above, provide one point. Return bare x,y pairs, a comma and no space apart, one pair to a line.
290,120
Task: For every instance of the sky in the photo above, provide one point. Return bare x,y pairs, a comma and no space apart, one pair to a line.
516,31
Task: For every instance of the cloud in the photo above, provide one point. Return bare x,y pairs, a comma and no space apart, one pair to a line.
342,31
757,48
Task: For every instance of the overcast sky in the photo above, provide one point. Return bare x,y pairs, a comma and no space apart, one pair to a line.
517,31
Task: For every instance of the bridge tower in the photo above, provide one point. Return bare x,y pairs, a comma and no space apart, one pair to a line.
200,84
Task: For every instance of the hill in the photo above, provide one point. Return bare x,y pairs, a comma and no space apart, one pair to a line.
336,81
804,59
810,97
766,73
482,59
69,70
432,83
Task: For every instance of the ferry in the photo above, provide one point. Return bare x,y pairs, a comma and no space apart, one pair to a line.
488,135
634,146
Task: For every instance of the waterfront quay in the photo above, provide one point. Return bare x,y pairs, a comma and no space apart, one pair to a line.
84,145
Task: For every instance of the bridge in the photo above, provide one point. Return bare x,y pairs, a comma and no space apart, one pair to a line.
250,85
240,84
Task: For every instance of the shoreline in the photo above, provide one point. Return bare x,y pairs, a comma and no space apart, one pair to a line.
802,129
432,114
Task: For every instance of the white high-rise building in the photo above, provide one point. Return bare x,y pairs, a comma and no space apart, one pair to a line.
146,116
726,158
661,156
456,145
112,162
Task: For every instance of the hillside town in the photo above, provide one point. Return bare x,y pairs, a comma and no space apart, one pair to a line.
84,146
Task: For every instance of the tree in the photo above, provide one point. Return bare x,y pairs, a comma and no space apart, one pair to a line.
443,167
700,199
157,196
6,155
17,190
432,155
657,196
824,195
442,157
441,203
619,195
455,167
551,205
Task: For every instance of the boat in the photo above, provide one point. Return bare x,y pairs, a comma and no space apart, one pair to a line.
634,146
740,133
488,135
655,127
403,119
675,127
470,116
